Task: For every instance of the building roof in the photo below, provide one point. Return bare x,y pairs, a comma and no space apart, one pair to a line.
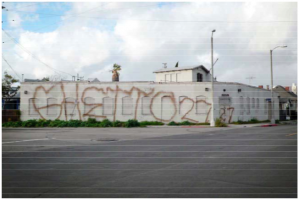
34,80
181,68
95,80
280,89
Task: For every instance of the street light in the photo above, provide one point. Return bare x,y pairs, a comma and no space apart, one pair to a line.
272,101
212,122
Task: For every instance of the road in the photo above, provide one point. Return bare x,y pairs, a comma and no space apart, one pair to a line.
150,162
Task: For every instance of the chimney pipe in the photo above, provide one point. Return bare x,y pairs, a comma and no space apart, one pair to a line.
267,87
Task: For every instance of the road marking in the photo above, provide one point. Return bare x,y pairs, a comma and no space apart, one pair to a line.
25,140
291,134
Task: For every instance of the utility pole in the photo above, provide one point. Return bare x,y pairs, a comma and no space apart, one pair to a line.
212,121
272,100
22,77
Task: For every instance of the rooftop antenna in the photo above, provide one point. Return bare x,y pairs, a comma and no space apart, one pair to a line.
165,65
249,79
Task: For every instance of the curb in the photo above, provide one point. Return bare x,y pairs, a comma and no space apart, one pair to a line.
268,125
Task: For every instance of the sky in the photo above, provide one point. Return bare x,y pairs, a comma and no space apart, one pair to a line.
61,40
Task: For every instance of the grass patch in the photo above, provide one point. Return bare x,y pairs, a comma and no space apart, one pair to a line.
252,121
219,123
90,122
186,123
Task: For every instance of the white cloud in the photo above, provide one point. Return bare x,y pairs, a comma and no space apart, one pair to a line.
89,44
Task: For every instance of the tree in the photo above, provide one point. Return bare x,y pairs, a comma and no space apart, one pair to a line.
7,82
115,72
46,79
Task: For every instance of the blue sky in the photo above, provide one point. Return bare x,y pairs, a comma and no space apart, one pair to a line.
46,22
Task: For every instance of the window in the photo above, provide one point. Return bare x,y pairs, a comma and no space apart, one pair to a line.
127,103
32,110
88,105
253,102
146,102
241,105
265,106
108,106
52,106
177,77
70,106
167,77
180,104
201,106
257,104
199,77
172,77
248,105
225,101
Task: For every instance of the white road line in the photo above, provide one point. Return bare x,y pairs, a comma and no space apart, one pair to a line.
25,140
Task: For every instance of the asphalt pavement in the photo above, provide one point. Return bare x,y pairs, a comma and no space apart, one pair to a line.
150,162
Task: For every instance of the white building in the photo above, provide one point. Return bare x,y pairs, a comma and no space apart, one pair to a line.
162,100
183,74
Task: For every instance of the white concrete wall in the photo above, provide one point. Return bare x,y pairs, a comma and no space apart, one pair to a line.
258,111
134,100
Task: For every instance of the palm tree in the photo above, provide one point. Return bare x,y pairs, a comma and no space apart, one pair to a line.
116,68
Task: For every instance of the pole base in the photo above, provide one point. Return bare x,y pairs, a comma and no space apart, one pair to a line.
212,122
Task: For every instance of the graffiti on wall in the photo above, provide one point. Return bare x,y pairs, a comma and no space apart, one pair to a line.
226,113
155,96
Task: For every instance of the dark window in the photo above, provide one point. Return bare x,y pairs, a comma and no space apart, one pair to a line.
199,77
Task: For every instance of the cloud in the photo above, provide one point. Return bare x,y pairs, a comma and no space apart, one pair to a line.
88,41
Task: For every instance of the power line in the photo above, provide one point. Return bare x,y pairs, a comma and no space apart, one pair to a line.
10,66
27,51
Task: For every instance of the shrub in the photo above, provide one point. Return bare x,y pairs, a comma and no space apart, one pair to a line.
219,123
83,124
29,123
203,123
105,123
12,124
132,123
151,123
42,123
62,124
172,123
91,121
186,123
253,120
117,124
55,123
74,123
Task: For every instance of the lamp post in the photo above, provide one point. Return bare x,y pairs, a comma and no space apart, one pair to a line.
212,121
272,101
